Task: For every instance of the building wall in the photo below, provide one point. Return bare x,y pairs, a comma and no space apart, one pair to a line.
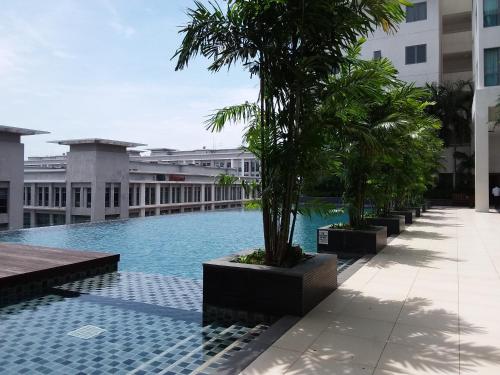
97,165
11,174
487,157
412,33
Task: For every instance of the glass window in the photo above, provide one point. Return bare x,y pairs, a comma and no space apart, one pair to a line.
57,197
77,197
130,196
416,12
377,55
27,195
107,197
491,13
4,200
116,196
89,197
416,54
46,196
63,197
492,67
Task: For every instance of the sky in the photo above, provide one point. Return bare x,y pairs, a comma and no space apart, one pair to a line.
103,69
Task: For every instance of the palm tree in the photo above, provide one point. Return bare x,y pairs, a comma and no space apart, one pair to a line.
292,47
375,120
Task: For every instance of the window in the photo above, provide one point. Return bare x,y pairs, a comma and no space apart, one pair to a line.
188,194
107,197
4,200
492,67
150,195
130,196
197,194
63,197
377,55
77,197
46,196
164,195
491,13
59,196
89,196
416,54
208,193
116,196
417,12
43,196
27,195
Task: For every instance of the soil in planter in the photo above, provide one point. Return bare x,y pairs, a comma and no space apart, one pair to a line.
294,256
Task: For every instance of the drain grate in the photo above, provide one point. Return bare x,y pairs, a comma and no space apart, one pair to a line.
87,332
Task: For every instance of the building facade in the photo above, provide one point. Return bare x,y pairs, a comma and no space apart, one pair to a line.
101,180
11,176
451,40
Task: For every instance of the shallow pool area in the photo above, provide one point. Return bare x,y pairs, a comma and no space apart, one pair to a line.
169,245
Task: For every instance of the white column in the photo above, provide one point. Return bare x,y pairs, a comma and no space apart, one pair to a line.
157,198
242,167
51,195
142,198
481,135
202,195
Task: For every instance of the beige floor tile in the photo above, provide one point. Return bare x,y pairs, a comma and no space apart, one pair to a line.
360,327
374,308
422,336
322,365
441,315
428,360
304,333
347,349
274,361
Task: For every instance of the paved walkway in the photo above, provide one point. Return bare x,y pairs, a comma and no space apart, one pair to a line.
428,304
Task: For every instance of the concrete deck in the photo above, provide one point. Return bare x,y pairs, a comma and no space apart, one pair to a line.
429,303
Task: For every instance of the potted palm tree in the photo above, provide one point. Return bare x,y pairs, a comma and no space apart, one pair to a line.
291,47
368,129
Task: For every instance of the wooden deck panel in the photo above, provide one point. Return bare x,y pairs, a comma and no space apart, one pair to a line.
25,263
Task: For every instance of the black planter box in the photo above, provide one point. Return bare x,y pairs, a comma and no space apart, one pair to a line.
417,211
351,242
270,290
408,214
394,224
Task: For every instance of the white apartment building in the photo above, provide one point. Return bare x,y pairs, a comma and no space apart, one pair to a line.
450,40
100,180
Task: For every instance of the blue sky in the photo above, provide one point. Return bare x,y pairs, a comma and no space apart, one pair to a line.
102,68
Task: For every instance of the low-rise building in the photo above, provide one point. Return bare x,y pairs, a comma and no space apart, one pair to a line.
101,179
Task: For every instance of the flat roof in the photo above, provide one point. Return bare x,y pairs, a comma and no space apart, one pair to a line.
85,141
20,131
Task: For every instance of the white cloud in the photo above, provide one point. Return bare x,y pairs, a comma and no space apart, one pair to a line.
116,22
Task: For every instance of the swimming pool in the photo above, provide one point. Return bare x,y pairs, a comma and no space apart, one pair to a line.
148,317
174,245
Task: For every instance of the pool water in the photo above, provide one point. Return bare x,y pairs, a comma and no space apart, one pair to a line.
170,245
148,317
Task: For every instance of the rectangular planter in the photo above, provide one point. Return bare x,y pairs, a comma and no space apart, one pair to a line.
408,214
270,290
351,242
417,211
394,224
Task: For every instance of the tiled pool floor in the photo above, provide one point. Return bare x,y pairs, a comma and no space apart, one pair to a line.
150,325
138,324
